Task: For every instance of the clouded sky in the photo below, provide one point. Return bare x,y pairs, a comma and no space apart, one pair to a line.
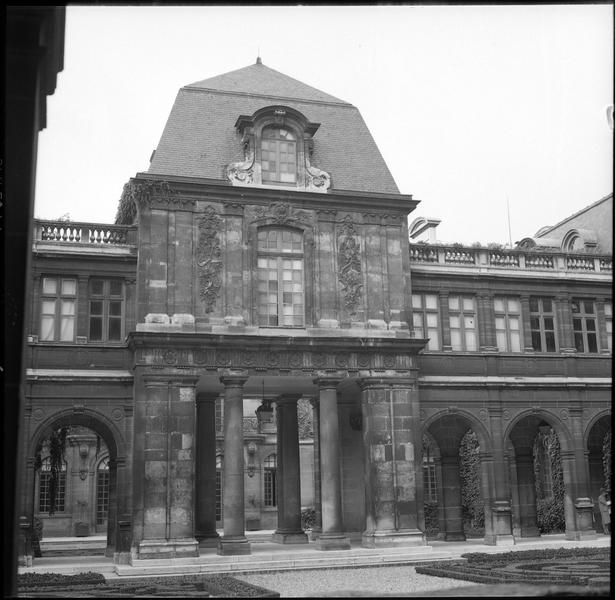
469,105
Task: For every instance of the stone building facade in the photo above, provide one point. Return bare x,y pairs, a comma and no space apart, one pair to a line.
263,261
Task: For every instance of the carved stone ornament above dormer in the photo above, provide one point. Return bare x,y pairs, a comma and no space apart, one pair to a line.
299,132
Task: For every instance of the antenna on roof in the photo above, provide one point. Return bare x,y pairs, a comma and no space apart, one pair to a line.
258,58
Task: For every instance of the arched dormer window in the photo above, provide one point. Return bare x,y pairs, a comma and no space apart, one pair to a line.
278,155
277,146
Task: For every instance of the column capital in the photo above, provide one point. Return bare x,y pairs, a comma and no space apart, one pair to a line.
233,377
184,380
329,381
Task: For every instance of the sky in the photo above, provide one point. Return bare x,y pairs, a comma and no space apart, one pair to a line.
479,111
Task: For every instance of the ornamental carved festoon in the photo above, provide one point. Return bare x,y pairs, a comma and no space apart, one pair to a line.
209,258
242,172
349,262
281,213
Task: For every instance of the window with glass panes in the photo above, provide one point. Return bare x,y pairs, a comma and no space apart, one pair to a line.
106,310
462,316
218,488
430,486
270,468
507,323
44,499
280,278
102,491
278,156
425,319
542,324
58,309
608,322
584,325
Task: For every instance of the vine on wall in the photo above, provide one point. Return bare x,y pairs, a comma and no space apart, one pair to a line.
549,504
472,503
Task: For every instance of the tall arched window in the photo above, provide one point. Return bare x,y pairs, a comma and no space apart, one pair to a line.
280,278
270,468
218,487
102,491
44,499
278,156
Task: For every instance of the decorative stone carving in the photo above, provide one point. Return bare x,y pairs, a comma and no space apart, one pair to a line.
349,260
281,213
316,180
389,361
363,360
140,193
242,172
209,258
295,359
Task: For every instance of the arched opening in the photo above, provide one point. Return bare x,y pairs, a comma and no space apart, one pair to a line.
82,497
600,465
454,479
541,480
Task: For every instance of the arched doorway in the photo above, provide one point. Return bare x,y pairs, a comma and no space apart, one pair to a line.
92,494
598,445
456,482
541,474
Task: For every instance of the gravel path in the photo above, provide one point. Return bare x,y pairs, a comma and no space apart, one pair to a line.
372,581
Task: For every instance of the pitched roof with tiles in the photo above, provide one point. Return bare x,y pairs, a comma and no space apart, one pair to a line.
200,138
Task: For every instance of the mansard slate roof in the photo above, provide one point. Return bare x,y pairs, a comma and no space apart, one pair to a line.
200,139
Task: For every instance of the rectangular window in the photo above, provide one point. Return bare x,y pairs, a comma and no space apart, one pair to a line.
44,500
507,323
608,322
102,496
584,325
430,488
58,309
270,487
106,310
542,324
426,319
462,315
219,505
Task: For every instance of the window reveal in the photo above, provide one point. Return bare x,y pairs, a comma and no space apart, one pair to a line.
58,309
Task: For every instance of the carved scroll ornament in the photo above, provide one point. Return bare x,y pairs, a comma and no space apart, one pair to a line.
242,172
281,213
209,258
316,180
349,253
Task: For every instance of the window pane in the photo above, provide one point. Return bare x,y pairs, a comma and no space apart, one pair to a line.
498,305
456,339
96,307
536,345
115,309
69,287
95,329
533,304
431,301
468,322
592,345
589,307
468,304
115,288
470,340
500,337
578,342
608,309
434,340
50,286
67,329
453,302
432,320
547,305
500,323
513,305
550,340
47,329
96,287
416,301
454,321
515,341
513,323
549,323
115,330
68,307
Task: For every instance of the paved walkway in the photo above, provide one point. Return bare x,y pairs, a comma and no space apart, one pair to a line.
267,556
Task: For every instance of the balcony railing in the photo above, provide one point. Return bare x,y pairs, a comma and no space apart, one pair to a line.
84,233
453,255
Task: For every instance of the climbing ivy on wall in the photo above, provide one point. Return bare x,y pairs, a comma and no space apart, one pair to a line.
472,502
56,444
606,461
549,504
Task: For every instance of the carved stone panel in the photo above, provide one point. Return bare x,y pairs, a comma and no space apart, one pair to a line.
209,258
349,264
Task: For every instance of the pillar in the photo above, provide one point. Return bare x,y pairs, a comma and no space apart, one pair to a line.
486,323
234,540
501,510
317,528
332,536
564,324
289,529
526,342
123,521
446,328
451,492
526,490
393,469
205,517
168,462
596,481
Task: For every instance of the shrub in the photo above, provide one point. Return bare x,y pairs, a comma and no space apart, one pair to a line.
550,515
432,526
308,518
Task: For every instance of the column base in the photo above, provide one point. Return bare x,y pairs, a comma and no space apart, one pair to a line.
454,536
174,548
234,545
122,558
500,540
586,534
332,541
290,537
208,540
393,539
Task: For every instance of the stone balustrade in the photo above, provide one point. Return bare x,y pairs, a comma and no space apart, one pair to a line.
460,256
84,233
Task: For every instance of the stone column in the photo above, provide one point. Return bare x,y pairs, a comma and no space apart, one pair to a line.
583,503
486,323
167,529
205,524
526,490
393,469
596,481
234,540
317,528
289,476
332,536
500,507
124,522
451,492
112,511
